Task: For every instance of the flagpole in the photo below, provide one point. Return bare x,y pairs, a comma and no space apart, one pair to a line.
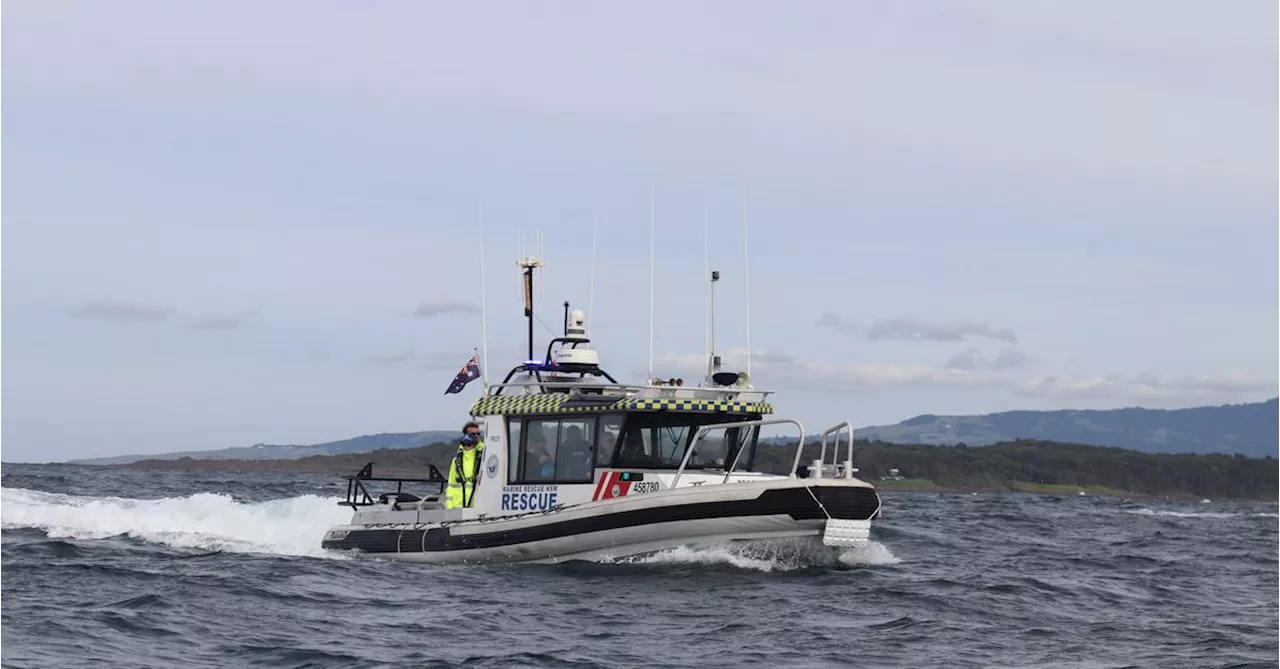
484,315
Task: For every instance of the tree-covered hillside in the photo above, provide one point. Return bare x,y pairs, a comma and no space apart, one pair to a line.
1004,466
362,444
1252,429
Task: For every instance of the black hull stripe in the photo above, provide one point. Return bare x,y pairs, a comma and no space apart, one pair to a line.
840,502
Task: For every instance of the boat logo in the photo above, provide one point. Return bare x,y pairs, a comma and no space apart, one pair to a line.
492,465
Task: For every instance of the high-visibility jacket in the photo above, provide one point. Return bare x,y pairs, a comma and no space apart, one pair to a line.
464,475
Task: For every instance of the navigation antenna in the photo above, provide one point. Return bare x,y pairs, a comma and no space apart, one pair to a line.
706,290
528,264
714,360
746,270
652,224
542,287
484,313
591,291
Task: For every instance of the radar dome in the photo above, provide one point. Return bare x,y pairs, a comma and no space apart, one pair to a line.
576,327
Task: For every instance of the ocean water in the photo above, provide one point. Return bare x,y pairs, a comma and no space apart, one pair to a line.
129,568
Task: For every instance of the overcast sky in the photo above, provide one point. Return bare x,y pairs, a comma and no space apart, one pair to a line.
231,223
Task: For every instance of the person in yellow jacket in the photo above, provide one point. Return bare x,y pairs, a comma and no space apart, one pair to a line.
464,469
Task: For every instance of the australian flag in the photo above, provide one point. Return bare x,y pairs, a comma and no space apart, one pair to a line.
469,372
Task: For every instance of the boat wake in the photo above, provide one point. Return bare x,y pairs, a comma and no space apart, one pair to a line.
203,521
1197,514
770,555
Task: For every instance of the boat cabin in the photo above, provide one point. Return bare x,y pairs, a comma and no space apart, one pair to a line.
557,437
563,425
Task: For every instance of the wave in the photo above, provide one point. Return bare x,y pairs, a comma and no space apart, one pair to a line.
206,521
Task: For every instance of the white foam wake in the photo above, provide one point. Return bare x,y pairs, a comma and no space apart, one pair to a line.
1200,514
772,555
205,521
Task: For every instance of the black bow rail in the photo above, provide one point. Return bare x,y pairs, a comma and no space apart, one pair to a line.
358,495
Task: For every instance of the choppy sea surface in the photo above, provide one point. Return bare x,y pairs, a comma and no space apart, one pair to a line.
127,568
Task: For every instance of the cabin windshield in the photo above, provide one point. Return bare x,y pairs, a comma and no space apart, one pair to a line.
659,441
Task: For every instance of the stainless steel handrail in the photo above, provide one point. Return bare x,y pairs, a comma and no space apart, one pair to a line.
626,388
835,451
704,429
616,387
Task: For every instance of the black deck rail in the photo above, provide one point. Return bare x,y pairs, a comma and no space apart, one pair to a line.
358,495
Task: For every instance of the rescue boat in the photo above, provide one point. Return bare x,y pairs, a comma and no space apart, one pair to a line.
578,466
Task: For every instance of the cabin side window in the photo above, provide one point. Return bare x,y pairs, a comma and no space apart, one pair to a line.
636,448
653,446
557,450
659,441
607,443
670,442
513,449
573,453
741,445
539,458
718,449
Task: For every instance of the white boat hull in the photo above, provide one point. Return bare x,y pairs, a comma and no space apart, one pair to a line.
628,526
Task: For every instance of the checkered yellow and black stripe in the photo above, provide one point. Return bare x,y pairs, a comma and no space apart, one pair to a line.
552,403
522,404
693,405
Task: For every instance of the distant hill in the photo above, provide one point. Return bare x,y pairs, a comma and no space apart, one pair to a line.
1026,465
364,444
1251,429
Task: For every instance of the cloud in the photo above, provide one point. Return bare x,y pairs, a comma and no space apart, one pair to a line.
450,361
130,312
439,362
771,358
120,312
1009,358
403,356
911,328
1146,387
781,371
966,370
836,322
438,307
220,323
